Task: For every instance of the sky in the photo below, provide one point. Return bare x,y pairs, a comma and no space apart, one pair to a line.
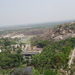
18,12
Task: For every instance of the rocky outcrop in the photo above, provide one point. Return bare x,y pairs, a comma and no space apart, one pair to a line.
59,32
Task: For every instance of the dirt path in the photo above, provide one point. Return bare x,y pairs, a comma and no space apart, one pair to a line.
71,59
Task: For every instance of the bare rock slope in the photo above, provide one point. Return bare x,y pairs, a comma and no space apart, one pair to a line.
61,31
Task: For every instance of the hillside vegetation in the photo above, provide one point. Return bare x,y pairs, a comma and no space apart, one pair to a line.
55,55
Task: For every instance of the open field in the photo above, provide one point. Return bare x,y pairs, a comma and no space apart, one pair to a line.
26,39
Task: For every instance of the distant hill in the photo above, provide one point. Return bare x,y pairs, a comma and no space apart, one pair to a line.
61,31
30,29
47,25
38,25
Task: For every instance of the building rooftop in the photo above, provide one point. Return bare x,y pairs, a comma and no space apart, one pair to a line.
29,53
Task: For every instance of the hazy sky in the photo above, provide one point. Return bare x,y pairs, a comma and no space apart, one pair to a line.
14,12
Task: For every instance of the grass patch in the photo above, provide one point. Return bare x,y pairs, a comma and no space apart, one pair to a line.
26,40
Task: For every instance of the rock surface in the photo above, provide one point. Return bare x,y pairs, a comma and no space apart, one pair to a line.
58,32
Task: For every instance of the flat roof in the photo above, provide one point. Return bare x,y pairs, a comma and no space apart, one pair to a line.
29,53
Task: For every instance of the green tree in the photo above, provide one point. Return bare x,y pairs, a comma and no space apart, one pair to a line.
51,72
19,51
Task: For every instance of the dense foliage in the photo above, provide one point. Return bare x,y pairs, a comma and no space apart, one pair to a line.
10,60
10,56
40,43
54,56
7,41
49,73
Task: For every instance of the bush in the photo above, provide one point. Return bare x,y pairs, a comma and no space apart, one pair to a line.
49,73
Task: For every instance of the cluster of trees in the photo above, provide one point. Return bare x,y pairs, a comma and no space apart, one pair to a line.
41,43
54,55
7,41
7,59
10,60
6,45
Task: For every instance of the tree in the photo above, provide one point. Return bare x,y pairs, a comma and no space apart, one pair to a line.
51,72
35,72
58,60
7,43
11,60
19,51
